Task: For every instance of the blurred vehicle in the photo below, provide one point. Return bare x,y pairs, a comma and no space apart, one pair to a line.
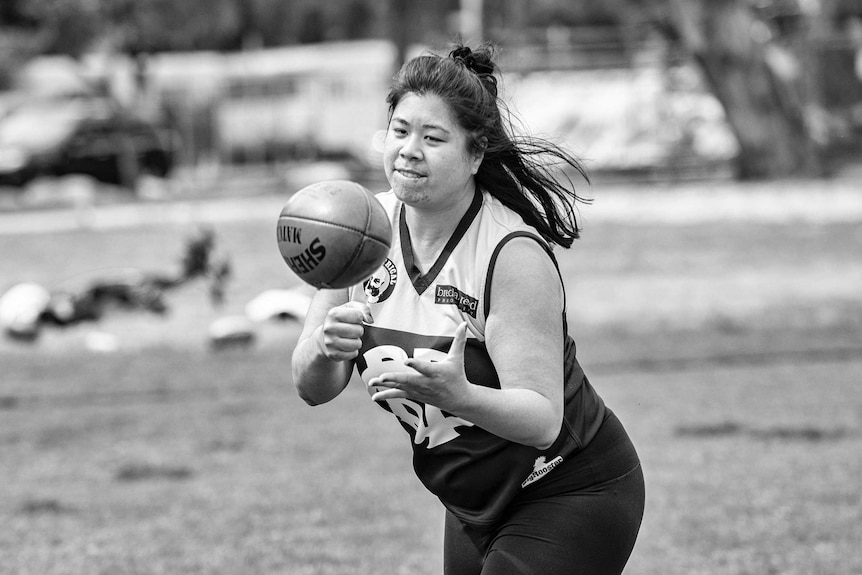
81,136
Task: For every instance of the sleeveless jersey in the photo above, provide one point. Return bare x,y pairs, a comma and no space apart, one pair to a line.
474,473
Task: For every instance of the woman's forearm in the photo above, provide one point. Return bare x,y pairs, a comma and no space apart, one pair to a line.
520,415
317,378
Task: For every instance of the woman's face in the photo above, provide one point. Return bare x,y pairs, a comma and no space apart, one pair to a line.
425,153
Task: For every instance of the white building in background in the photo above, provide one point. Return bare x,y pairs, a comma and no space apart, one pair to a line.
258,105
327,98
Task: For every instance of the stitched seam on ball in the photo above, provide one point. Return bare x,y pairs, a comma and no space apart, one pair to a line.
365,233
328,223
361,244
343,227
368,213
369,209
354,256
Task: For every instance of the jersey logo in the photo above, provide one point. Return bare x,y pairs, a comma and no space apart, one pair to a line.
379,286
541,468
425,422
450,295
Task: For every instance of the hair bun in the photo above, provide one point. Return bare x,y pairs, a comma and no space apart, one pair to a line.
479,62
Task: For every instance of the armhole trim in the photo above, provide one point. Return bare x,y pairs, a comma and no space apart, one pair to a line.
493,262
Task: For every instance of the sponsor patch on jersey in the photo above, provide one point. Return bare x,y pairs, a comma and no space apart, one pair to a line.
541,468
450,295
379,286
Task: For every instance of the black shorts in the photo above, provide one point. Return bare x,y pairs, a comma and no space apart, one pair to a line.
582,518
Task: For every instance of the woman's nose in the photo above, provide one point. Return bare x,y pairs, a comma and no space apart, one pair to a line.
411,148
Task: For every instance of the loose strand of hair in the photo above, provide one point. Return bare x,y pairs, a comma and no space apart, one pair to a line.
524,180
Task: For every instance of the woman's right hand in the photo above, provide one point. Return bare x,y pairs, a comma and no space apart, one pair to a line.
340,336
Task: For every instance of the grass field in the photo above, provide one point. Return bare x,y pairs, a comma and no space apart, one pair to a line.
732,351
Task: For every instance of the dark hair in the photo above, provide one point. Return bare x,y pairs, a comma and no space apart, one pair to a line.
516,169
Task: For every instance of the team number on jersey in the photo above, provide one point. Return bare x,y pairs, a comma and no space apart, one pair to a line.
427,421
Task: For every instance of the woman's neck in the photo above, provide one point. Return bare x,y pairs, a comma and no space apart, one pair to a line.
430,228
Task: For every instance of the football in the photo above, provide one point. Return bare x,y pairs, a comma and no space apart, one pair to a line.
333,234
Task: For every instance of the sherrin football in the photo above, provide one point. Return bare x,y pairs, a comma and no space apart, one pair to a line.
333,234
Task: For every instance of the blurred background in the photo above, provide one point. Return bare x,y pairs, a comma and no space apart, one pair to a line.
200,90
147,420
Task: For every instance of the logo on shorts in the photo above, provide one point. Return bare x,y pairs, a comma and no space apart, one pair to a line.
452,295
541,468
380,285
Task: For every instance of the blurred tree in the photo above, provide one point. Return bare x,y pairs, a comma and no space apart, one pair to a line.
136,26
73,27
765,109
359,18
12,14
313,24
32,27
18,39
399,17
546,13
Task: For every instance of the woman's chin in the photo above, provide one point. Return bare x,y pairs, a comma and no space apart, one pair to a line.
407,189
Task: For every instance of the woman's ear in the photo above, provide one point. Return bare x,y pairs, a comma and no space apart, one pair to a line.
479,155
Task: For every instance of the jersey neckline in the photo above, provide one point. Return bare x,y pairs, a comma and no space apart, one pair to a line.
420,281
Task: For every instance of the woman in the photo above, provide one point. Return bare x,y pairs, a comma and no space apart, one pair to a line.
462,335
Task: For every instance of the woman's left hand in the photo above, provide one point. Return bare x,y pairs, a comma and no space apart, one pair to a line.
439,383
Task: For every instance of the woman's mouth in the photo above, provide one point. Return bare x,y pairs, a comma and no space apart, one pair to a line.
410,174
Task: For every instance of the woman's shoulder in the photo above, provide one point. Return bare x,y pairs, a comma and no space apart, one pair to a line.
506,220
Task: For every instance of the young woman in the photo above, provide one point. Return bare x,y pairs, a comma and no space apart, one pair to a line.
462,336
